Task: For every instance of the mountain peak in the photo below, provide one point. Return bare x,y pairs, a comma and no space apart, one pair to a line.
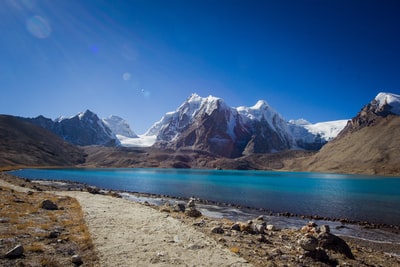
393,100
261,104
87,113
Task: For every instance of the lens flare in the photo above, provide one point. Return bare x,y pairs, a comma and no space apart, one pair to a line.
38,27
126,76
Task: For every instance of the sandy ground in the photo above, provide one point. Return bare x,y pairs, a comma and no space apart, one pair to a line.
130,234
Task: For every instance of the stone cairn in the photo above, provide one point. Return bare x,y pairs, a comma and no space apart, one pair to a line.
191,210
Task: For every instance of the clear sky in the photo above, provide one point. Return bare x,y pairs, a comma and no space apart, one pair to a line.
315,59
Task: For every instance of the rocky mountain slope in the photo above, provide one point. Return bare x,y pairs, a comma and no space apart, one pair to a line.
370,142
85,128
23,143
209,124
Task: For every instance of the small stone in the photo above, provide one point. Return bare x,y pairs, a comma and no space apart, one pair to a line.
93,190
236,227
271,227
193,212
191,203
217,230
262,239
77,260
16,252
54,234
48,205
179,207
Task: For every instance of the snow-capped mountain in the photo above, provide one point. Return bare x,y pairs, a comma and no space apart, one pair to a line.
85,128
383,105
206,124
386,102
210,124
119,127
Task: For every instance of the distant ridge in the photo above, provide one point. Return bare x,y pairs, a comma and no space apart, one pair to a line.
23,143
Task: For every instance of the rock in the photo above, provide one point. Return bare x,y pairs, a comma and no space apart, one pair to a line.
54,234
77,260
179,207
262,239
191,203
260,228
311,224
236,226
308,242
260,218
332,242
93,190
325,229
318,254
16,252
193,212
247,227
49,205
271,227
217,230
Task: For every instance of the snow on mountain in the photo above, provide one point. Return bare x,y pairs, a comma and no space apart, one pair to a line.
172,123
139,141
262,111
308,132
393,100
119,127
85,128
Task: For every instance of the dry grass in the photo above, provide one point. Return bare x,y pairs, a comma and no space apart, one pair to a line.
24,222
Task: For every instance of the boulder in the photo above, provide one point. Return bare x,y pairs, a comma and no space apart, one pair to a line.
308,242
48,205
332,242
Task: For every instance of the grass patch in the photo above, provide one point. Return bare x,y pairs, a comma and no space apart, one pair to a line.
24,222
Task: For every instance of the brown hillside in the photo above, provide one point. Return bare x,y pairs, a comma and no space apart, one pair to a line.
23,143
374,149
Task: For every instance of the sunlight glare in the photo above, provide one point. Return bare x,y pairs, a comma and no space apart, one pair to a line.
39,27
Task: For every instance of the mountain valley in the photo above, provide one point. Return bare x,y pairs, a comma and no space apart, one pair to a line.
206,133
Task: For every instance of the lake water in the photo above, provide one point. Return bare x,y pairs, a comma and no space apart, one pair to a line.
356,197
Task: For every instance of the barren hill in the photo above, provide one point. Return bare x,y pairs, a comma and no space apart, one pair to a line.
373,149
23,143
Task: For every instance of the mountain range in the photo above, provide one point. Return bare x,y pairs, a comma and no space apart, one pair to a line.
207,133
204,124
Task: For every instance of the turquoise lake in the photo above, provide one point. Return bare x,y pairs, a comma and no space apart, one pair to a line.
356,197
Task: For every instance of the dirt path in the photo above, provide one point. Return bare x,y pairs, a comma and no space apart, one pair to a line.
126,233
130,234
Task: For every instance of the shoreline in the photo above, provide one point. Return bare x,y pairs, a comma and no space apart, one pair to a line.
69,185
278,246
347,228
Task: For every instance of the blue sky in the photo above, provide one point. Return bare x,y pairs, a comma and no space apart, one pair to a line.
315,59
